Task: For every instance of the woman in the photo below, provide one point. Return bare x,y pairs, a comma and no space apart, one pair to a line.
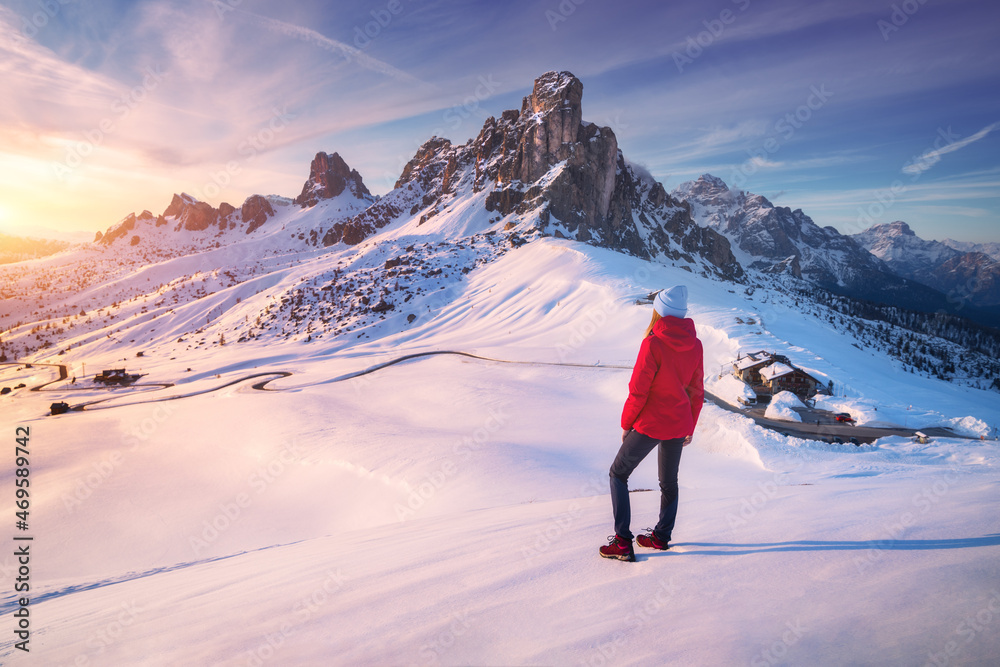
665,397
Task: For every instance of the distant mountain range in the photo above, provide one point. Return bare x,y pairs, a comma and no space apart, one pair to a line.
19,248
965,275
991,249
886,264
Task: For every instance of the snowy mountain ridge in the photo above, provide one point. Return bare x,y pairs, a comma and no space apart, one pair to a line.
544,168
896,244
774,239
778,239
965,275
991,249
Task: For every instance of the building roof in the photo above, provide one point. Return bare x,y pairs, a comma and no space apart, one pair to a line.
752,359
776,370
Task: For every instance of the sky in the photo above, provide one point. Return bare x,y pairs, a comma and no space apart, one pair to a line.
857,112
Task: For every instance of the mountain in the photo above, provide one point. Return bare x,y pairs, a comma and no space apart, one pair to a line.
540,171
906,253
991,249
777,239
333,191
329,176
19,248
338,264
275,268
971,277
544,169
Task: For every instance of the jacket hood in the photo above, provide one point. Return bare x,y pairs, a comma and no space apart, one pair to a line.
679,334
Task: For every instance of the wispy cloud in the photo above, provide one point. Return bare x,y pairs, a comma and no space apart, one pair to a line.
42,91
932,157
346,51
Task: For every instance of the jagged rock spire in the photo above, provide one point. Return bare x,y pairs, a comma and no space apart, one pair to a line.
329,176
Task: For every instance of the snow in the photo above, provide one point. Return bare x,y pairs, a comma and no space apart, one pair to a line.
867,412
968,426
752,359
776,370
782,406
447,510
730,389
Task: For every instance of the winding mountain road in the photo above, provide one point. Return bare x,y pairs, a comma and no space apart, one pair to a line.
823,431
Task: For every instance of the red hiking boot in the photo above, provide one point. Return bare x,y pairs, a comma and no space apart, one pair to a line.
620,548
650,541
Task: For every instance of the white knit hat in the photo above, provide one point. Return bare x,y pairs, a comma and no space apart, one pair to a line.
672,301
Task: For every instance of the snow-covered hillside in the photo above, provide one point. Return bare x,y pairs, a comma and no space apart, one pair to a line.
447,510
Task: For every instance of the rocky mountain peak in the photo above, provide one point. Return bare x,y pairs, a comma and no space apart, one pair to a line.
989,248
522,149
709,188
772,235
895,241
760,201
883,232
900,227
558,174
195,215
329,176
706,185
555,105
555,91
255,212
419,168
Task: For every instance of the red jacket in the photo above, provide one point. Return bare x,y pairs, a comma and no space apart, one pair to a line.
666,391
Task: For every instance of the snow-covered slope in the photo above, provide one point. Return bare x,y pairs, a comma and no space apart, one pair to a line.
447,510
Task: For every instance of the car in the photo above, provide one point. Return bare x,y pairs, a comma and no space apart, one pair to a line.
844,417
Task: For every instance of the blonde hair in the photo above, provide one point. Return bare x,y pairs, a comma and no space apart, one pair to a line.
649,329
